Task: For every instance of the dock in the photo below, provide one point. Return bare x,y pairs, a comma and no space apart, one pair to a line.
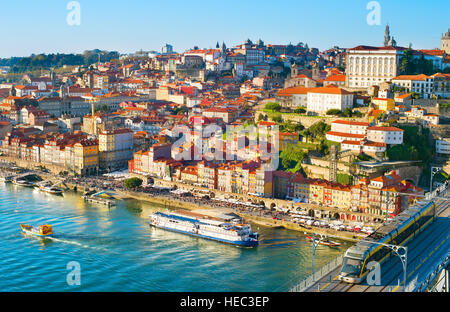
98,200
95,199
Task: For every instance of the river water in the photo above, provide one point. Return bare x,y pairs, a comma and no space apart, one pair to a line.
118,251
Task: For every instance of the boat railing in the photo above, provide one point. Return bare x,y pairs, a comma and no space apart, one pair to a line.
313,278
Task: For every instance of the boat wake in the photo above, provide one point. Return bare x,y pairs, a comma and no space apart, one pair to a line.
73,242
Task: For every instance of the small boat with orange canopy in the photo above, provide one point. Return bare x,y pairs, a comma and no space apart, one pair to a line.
41,231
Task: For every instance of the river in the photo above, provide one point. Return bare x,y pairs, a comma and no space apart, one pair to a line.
117,250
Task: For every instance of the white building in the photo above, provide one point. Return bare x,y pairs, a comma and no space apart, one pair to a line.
349,126
421,84
293,97
369,66
387,135
363,146
431,119
343,136
320,100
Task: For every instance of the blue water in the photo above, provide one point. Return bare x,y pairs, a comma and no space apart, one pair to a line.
118,251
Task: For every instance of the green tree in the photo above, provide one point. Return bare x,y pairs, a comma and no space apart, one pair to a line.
104,108
335,112
261,117
300,110
272,106
319,129
291,157
347,112
406,65
415,146
344,178
132,183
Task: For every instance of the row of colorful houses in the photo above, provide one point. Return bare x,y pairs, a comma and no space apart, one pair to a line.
378,196
76,153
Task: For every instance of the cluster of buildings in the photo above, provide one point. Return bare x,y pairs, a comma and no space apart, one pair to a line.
75,152
363,138
127,114
382,195
368,66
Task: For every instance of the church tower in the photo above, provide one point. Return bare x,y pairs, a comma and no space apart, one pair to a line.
445,42
294,70
224,48
387,36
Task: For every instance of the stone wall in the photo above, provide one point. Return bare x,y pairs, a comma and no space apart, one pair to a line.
308,121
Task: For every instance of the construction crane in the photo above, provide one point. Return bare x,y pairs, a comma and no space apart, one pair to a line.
335,155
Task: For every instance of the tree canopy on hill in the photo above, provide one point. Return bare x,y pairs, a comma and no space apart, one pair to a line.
317,130
413,66
291,158
46,61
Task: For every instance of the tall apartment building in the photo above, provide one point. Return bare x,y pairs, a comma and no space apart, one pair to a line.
115,148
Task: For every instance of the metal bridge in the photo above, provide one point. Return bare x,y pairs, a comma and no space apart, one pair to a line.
428,262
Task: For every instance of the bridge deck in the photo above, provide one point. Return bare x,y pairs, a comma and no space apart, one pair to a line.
424,253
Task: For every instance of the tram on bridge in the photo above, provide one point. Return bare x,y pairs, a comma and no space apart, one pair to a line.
398,231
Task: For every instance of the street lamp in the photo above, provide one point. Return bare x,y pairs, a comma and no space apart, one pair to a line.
313,252
434,170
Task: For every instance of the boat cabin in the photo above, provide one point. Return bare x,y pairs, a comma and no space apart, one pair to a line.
45,229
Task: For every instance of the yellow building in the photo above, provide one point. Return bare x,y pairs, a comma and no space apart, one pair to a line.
384,104
86,157
341,197
316,192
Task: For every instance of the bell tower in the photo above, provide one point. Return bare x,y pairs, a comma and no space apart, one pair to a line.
445,42
294,70
387,36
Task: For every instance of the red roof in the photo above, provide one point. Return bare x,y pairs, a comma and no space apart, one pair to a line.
384,129
294,90
338,77
346,135
330,90
420,77
352,123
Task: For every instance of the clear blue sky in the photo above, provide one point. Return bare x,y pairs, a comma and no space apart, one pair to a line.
39,26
